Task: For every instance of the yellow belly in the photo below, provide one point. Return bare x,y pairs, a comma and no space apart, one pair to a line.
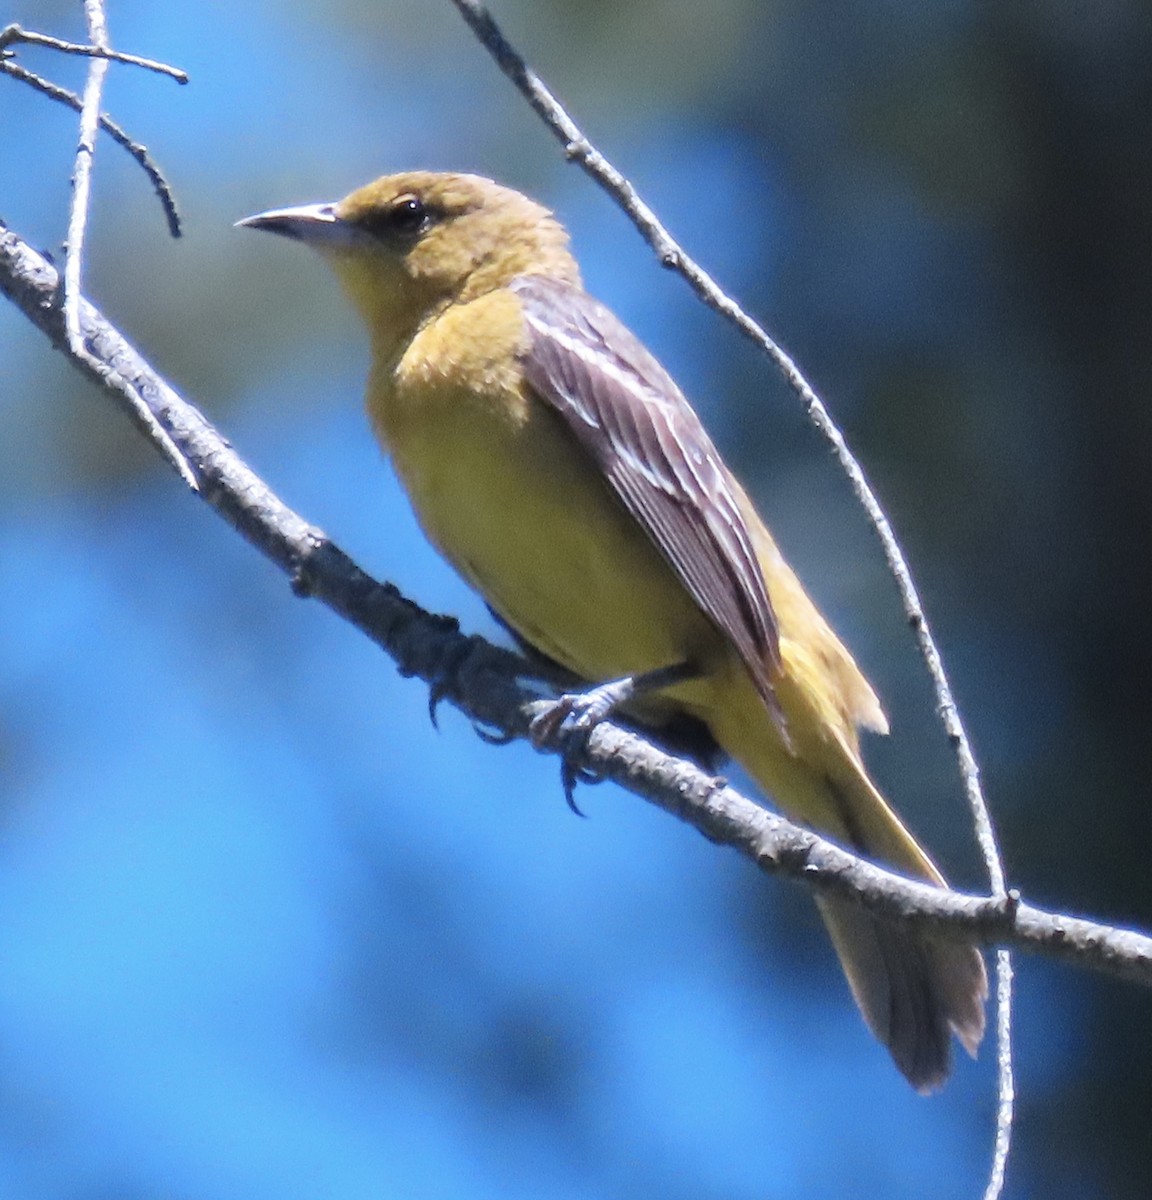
521,512
506,493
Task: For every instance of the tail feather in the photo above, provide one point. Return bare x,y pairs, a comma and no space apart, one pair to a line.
913,993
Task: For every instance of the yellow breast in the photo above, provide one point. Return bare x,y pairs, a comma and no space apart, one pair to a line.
502,488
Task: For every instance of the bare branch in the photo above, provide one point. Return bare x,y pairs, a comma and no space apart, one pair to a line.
140,153
483,681
1006,1075
78,225
82,174
12,35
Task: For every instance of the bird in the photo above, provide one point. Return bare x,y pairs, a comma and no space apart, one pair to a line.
556,465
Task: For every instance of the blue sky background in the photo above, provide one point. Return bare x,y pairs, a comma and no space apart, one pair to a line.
263,931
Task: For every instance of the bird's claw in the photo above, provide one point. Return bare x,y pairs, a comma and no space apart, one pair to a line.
494,736
445,680
568,723
437,691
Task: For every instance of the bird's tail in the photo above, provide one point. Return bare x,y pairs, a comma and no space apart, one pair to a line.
914,991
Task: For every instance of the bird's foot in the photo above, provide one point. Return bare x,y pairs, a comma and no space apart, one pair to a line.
568,722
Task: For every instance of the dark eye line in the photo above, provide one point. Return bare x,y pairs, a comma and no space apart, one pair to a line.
408,209
403,219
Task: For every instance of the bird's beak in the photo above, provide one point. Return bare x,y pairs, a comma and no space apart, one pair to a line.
314,224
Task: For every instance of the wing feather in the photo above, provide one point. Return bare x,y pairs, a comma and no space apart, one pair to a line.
657,458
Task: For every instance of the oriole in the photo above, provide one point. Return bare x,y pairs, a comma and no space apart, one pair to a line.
557,466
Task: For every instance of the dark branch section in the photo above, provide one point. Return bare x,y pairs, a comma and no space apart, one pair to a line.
484,681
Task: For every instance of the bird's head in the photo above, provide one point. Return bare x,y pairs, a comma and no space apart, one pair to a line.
406,245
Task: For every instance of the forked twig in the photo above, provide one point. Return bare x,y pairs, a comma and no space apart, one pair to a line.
53,91
14,34
71,279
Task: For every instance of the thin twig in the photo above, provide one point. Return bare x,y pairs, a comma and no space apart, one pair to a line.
1006,1092
82,174
483,680
139,152
78,224
14,34
579,149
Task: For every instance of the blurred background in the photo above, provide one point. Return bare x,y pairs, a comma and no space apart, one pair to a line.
265,933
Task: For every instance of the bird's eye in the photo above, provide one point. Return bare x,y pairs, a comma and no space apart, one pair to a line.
400,222
408,216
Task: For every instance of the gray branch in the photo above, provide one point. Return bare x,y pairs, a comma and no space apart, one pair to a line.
485,682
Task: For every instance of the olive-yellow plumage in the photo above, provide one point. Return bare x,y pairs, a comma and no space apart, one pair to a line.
556,466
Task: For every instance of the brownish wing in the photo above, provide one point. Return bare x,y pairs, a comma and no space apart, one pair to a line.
657,458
